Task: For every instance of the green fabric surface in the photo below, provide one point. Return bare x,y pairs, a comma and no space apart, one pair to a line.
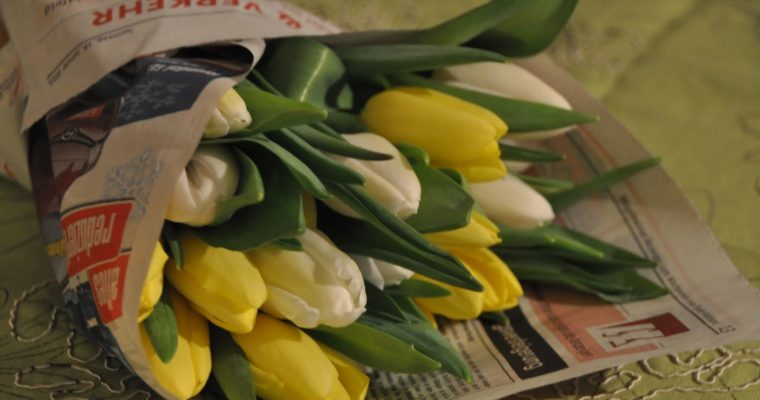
682,75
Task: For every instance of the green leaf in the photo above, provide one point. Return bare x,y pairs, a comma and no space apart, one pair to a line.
499,317
306,70
323,166
562,200
279,216
290,244
382,305
444,204
303,174
250,189
409,308
616,286
345,122
529,30
515,153
329,144
383,235
520,115
171,244
394,58
271,112
469,25
427,340
161,327
417,288
567,244
546,186
414,154
230,367
376,349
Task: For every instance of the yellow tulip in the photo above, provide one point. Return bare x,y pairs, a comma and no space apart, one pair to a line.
154,283
287,364
457,134
352,379
501,289
187,372
223,285
480,232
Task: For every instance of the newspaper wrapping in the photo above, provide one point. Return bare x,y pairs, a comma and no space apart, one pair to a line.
110,115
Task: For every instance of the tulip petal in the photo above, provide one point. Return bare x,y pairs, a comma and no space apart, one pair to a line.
414,116
501,288
480,232
512,202
350,376
287,361
154,283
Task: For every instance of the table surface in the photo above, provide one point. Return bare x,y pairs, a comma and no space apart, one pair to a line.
682,75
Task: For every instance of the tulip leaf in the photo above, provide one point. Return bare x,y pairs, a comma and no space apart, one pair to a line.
417,288
303,174
528,31
279,216
394,58
383,235
546,186
338,146
410,309
427,340
326,168
161,327
565,199
306,70
414,154
469,25
230,367
498,317
567,244
271,112
444,204
382,304
615,286
171,244
516,153
290,244
374,348
520,115
345,122
250,189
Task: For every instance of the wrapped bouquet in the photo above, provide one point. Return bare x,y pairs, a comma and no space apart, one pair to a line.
276,218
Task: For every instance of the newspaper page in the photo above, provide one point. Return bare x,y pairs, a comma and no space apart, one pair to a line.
558,334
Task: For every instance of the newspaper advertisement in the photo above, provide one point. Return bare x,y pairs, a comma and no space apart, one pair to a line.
102,197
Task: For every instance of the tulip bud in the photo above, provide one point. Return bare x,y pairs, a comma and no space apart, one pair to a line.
381,273
512,202
187,372
318,286
392,183
229,116
480,232
154,283
210,178
352,379
505,80
220,284
287,364
457,134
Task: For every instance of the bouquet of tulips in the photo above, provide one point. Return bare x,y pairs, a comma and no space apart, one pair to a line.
344,197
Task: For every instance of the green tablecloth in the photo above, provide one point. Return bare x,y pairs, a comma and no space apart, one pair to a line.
682,75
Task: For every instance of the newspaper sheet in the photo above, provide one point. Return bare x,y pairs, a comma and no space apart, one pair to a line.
117,188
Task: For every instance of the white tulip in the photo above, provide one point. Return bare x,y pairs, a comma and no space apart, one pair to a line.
229,116
318,286
210,178
392,183
381,273
506,80
513,203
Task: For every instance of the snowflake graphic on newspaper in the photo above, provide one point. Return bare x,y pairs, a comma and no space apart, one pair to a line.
150,98
134,180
